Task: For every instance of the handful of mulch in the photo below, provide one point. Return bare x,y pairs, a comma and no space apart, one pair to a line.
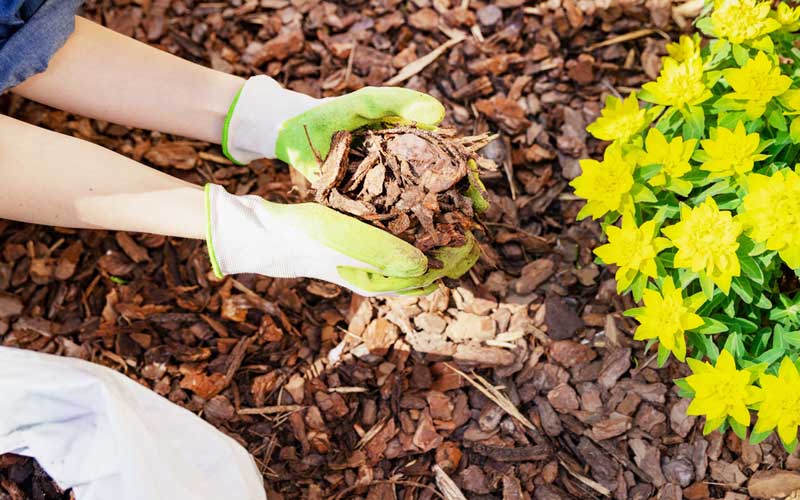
419,185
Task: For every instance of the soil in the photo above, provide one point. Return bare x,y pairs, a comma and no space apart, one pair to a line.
338,396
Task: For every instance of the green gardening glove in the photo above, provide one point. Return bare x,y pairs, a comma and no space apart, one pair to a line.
247,234
268,121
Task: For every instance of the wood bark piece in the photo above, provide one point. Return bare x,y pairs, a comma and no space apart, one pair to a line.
773,483
406,180
446,485
420,64
534,453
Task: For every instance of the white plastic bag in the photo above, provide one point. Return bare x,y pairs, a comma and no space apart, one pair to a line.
107,437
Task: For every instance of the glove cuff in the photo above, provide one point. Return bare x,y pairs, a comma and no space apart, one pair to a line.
212,254
239,233
256,116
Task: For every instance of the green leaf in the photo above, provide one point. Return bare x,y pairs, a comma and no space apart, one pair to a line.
633,312
648,171
679,186
743,289
763,44
713,425
720,49
638,286
791,338
740,54
718,188
704,25
757,437
649,345
684,389
703,346
777,120
738,429
686,277
790,447
694,122
778,340
642,194
725,103
732,344
668,121
744,325
770,356
707,285
663,355
794,131
711,326
763,302
729,120
730,309
750,269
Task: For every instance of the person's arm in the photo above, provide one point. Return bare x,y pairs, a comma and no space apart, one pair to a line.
101,74
50,178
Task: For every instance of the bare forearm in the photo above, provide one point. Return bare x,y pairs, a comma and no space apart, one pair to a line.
105,75
50,178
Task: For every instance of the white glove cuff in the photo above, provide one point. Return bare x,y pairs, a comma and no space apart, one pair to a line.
241,235
256,116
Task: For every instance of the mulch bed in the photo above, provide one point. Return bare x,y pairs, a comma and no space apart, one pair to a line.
338,396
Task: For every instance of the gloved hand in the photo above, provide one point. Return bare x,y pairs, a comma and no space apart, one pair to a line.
268,121
248,234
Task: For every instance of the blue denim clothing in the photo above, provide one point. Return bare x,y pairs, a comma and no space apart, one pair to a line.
31,31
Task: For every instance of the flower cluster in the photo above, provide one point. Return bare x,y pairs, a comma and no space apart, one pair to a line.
698,194
722,393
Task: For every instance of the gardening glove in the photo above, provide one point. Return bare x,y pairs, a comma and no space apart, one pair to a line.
106,436
266,120
247,234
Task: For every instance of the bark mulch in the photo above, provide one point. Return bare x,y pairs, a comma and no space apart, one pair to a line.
523,382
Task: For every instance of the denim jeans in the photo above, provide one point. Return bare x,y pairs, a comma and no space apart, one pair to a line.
31,31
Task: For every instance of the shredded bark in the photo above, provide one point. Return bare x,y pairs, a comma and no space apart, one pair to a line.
406,180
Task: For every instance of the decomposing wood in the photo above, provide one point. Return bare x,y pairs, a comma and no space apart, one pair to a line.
516,454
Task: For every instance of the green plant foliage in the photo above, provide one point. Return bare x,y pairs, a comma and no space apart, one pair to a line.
699,197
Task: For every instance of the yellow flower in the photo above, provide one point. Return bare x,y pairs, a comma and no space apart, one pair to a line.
673,156
756,83
685,48
606,186
781,405
740,21
771,213
721,391
666,316
788,17
619,119
706,239
679,83
731,151
791,99
633,249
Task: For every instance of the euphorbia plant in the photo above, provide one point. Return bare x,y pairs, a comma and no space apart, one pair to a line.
699,197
